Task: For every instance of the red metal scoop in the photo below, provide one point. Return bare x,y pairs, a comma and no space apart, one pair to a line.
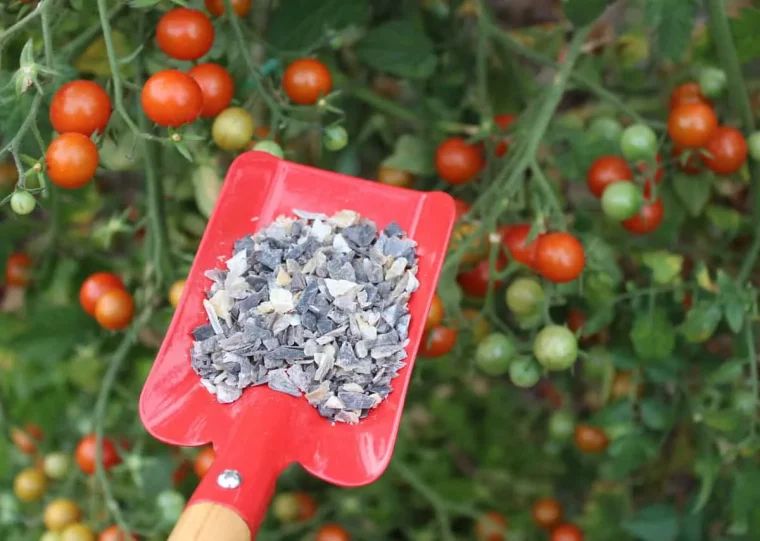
256,437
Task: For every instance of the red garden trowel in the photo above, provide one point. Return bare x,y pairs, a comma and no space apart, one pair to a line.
256,437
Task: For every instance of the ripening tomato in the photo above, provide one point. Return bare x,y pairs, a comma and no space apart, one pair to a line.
438,341
172,98
474,282
23,441
435,314
726,151
185,34
503,122
8,175
114,533
477,249
491,527
72,159
114,309
560,257
203,461
691,125
240,7
95,286
56,465
622,386
476,324
691,165
17,270
232,129
332,532
85,454
605,171
175,292
306,80
590,440
81,107
515,237
547,513
567,532
687,93
60,513
394,177
461,208
458,162
307,506
78,532
647,220
29,485
217,87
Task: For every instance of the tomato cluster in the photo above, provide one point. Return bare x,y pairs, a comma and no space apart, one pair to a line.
104,296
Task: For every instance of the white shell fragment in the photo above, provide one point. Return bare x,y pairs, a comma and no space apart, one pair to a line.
315,307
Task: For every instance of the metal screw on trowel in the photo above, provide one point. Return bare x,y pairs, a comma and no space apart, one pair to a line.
229,479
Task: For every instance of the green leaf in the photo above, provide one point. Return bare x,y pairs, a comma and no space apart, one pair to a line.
674,31
412,154
726,219
701,322
583,12
723,421
299,25
744,30
653,336
653,523
693,190
734,312
665,266
654,414
399,48
728,372
628,454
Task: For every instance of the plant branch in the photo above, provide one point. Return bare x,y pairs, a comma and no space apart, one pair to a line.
755,382
9,32
436,502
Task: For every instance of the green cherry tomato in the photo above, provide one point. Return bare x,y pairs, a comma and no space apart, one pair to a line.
524,372
270,147
712,81
555,347
57,465
561,425
605,128
622,200
638,143
494,354
525,296
335,138
754,145
23,203
170,503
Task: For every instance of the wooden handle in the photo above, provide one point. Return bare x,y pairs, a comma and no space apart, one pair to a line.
210,522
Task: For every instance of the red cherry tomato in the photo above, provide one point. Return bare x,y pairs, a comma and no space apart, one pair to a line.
474,282
185,34
306,80
203,461
95,286
85,454
726,151
691,166
490,527
435,314
438,342
240,7
462,208
81,107
590,439
114,533
515,237
547,513
567,532
458,162
606,170
503,122
23,441
114,309
560,257
17,270
307,506
216,85
687,93
647,220
172,98
691,125
332,532
72,160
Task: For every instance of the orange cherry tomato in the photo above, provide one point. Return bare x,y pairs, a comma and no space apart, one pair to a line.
691,125
217,87
85,454
687,93
458,162
306,81
560,257
17,270
435,315
647,220
726,151
307,506
172,98
185,34
34,431
332,532
590,440
622,385
491,527
29,485
81,107
567,532
203,461
438,342
95,286
394,177
605,171
114,309
240,7
114,533
72,159
23,441
546,513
